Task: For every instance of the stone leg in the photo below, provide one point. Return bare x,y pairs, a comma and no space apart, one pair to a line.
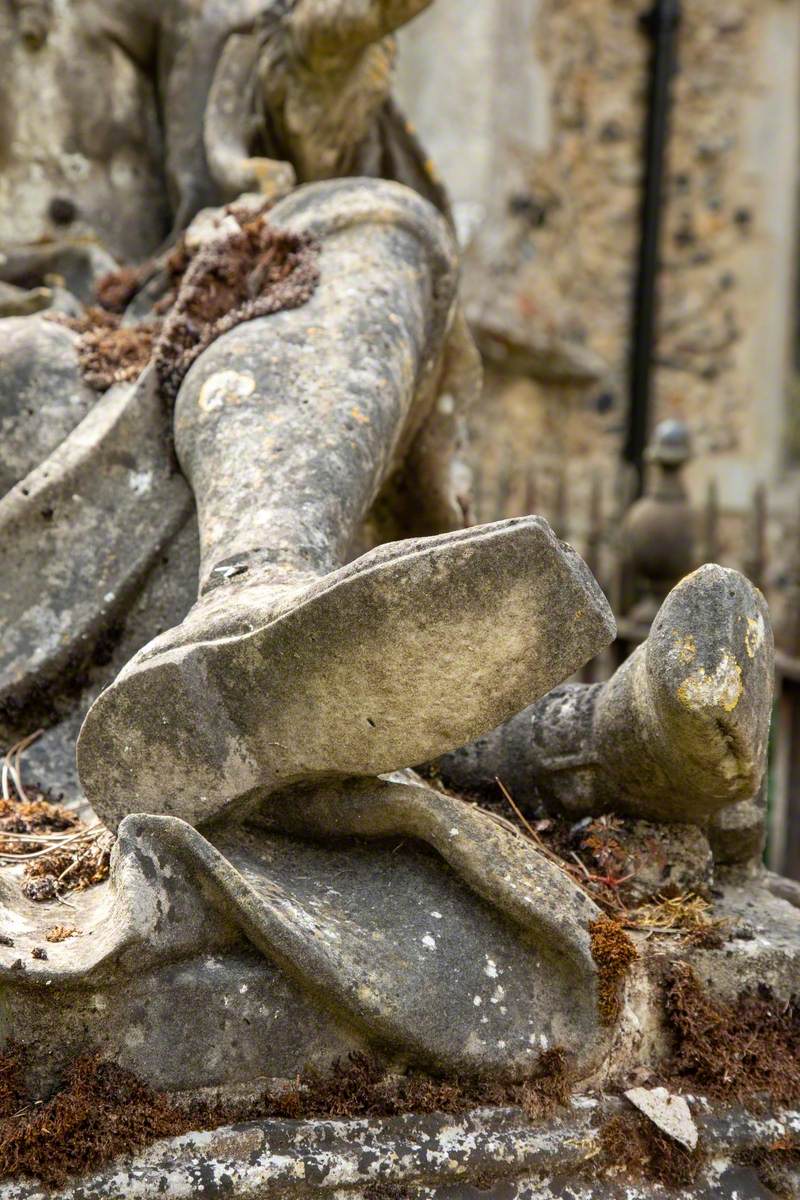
679,733
295,664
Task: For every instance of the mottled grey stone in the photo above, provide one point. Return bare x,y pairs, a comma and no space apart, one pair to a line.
78,535
388,917
42,395
738,833
492,1153
403,653
680,731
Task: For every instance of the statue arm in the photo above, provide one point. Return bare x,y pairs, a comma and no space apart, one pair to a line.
325,31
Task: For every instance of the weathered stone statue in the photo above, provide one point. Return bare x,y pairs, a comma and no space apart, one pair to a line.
283,888
303,671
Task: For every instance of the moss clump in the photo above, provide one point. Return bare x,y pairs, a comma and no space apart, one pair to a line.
102,1111
736,1052
253,271
614,953
634,1148
360,1087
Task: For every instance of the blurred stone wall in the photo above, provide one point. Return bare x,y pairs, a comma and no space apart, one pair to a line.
534,111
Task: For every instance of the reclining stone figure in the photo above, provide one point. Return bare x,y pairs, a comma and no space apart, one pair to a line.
306,669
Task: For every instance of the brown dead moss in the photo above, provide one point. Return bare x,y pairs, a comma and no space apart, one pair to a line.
57,869
115,355
613,952
115,290
360,1087
103,1111
251,272
742,1052
108,351
635,1149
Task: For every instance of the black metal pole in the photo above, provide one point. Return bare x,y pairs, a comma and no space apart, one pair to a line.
662,25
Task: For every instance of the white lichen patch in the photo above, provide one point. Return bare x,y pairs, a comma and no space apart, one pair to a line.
140,482
225,387
430,941
721,689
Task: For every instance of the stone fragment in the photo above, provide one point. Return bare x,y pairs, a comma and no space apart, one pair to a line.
668,1111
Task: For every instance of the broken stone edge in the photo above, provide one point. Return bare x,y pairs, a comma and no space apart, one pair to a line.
280,1158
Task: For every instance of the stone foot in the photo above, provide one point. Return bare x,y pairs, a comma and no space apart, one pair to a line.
677,734
403,654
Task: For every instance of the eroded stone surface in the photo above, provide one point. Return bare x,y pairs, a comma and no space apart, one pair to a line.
440,939
492,1153
680,731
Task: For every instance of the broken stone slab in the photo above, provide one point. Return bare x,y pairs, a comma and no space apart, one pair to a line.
492,1153
679,733
668,1111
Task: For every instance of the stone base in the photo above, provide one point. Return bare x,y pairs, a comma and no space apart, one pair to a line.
493,1153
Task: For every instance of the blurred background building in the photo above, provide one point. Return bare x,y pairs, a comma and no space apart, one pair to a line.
550,121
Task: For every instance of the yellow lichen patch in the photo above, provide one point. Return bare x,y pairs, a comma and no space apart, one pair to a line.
754,635
359,416
60,933
721,689
685,646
